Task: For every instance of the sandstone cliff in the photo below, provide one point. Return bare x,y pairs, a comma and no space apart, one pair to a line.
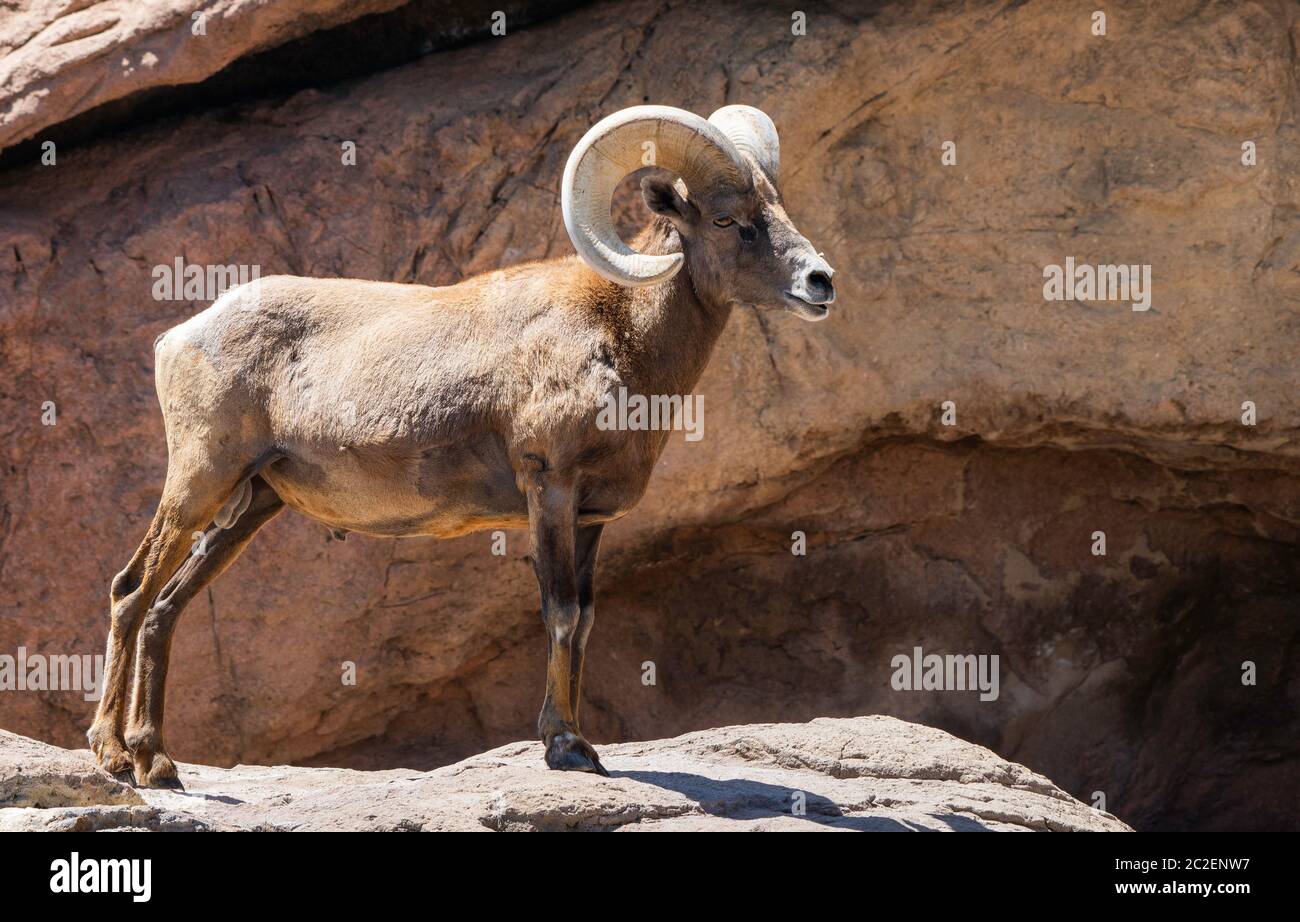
1121,673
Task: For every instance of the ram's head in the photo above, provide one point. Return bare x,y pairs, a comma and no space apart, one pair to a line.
738,244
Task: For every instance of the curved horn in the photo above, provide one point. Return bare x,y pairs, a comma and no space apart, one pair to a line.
753,133
626,141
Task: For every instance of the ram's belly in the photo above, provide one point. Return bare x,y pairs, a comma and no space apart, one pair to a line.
443,490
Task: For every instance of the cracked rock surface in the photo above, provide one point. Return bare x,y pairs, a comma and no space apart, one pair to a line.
842,774
59,59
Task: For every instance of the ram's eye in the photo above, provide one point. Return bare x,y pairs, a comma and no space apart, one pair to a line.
724,222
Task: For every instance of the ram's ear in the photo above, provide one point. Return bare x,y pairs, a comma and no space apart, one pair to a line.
661,197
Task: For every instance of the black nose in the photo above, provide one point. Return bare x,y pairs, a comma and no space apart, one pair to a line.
819,286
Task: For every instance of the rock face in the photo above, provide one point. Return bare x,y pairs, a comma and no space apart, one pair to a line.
1162,674
60,58
857,774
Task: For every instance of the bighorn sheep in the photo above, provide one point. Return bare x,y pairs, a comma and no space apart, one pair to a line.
399,410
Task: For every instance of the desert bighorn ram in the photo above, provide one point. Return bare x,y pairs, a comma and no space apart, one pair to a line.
400,410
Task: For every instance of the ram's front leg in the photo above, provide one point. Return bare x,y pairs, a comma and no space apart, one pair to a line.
552,521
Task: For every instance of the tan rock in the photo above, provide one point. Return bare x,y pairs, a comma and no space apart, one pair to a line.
847,774
59,58
40,776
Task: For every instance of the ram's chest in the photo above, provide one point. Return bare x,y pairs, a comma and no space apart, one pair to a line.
610,469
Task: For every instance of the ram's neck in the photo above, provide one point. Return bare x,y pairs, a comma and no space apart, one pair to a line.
672,330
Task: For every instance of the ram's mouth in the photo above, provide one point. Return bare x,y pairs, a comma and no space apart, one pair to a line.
806,309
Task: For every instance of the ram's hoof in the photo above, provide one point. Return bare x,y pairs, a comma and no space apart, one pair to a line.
569,752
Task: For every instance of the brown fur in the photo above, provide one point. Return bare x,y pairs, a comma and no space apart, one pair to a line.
400,410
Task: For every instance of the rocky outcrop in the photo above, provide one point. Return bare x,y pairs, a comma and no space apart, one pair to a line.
1121,674
59,59
858,774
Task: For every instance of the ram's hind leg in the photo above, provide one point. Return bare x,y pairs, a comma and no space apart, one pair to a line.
128,598
192,495
212,553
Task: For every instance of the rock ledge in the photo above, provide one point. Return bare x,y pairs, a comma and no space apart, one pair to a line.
860,773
